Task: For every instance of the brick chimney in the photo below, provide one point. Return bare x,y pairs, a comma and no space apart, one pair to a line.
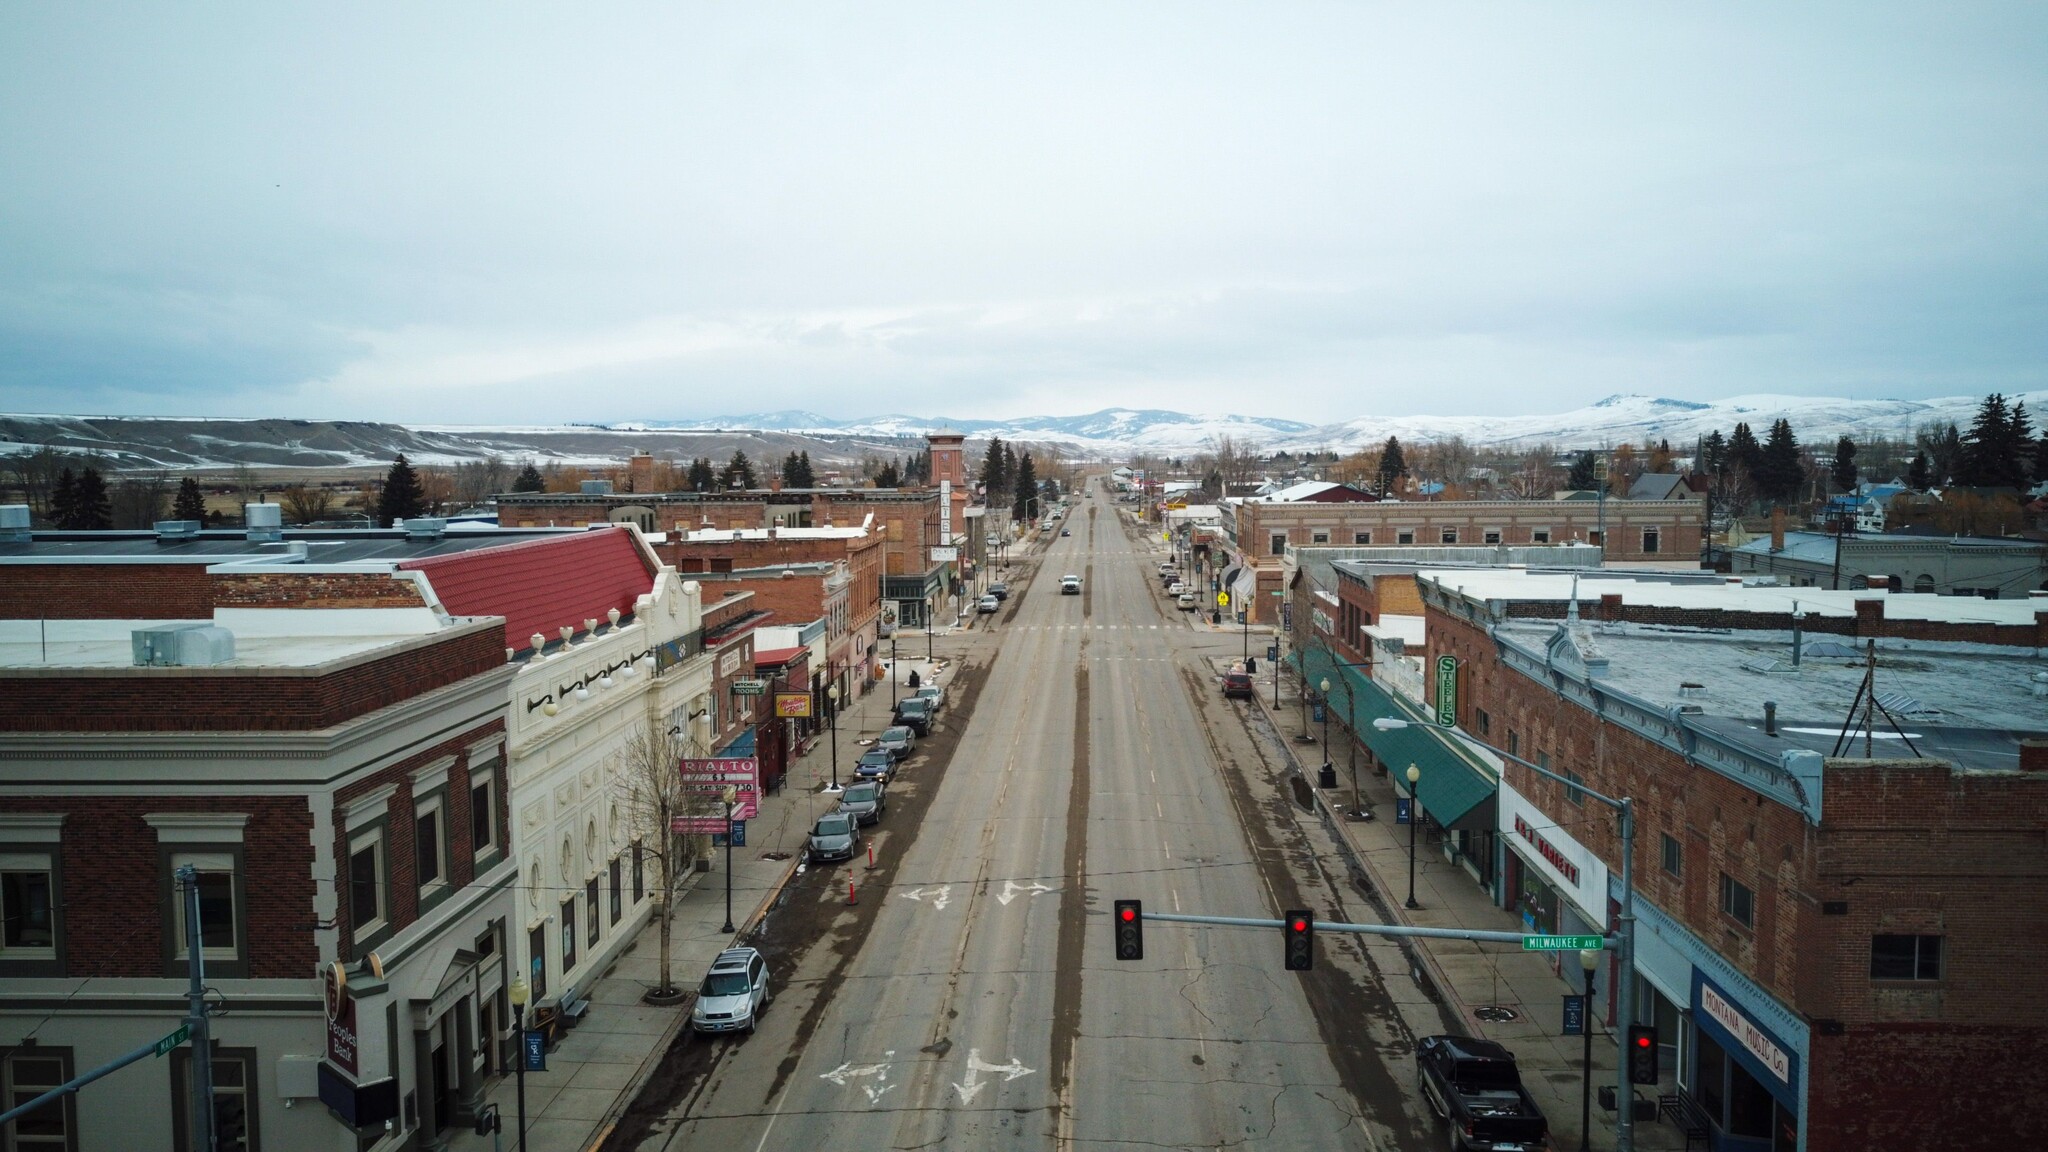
640,471
1869,616
1777,529
2034,755
775,481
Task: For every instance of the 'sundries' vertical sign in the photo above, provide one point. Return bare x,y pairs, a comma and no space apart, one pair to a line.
1447,691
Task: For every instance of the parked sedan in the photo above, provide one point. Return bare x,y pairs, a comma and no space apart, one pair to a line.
836,836
897,742
987,604
864,802
1237,683
999,590
1186,602
875,764
935,694
1177,588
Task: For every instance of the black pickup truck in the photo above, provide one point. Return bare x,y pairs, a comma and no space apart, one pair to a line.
1474,1086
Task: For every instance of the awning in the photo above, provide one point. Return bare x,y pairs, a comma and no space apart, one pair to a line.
1454,784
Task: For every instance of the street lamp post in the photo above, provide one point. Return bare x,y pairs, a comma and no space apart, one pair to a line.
1414,818
929,607
518,994
893,698
1624,923
730,794
832,722
1588,960
1329,771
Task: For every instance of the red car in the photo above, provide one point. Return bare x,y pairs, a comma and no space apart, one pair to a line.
1238,684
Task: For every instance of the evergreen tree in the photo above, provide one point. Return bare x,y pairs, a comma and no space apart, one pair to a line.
992,475
1781,474
1026,490
1585,473
529,480
702,477
1920,476
1713,459
739,471
2041,460
92,510
402,498
190,502
1393,465
889,477
64,499
1990,455
789,471
805,476
1009,469
1844,471
1744,452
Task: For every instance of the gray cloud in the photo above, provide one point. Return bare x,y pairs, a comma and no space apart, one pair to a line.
1313,211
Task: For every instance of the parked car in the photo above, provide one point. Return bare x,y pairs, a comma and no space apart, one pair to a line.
897,742
1177,589
864,801
836,836
875,764
1065,532
1185,601
915,713
1000,590
987,604
1474,1086
734,993
935,694
1237,684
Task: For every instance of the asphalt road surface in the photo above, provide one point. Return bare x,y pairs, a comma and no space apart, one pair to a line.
971,998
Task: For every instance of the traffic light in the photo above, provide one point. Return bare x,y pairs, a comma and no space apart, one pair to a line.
1642,1054
1130,930
1300,929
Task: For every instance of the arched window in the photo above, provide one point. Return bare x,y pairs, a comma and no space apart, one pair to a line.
1923,583
1859,582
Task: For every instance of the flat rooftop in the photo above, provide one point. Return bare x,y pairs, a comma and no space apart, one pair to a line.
1958,702
1727,594
64,646
322,546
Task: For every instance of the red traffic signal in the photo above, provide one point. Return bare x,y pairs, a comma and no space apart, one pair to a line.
1642,1054
1300,929
1130,930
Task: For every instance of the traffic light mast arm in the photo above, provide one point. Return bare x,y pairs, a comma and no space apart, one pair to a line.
1339,926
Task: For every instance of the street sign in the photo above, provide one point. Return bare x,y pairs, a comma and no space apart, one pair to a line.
749,687
1562,943
1223,599
1574,1015
176,1038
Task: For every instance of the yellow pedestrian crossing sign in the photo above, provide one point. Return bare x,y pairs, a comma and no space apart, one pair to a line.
1223,599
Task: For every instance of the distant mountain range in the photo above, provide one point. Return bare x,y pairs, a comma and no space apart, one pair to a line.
1113,433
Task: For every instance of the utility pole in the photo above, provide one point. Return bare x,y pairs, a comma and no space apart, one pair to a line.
195,1012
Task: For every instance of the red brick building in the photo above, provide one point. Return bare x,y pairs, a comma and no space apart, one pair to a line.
1838,948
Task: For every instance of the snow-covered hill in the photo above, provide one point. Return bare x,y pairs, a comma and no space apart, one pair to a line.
1113,433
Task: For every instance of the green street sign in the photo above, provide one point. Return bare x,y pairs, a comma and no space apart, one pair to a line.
183,1034
1562,943
749,687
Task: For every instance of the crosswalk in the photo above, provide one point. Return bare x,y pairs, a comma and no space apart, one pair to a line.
1088,628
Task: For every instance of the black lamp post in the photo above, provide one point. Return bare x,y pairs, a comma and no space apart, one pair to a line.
1414,818
518,994
1588,960
730,794
832,723
893,699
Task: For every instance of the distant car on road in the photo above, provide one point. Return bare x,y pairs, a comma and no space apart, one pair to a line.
987,604
864,802
835,836
1065,532
1237,684
1186,602
897,742
1070,585
1474,1085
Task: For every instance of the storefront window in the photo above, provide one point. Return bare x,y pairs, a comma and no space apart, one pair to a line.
1537,902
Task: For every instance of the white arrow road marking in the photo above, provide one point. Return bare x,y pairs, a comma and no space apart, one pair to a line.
1011,890
973,1085
875,1094
941,895
845,1072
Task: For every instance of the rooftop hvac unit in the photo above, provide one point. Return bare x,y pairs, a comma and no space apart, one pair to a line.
425,528
14,524
182,645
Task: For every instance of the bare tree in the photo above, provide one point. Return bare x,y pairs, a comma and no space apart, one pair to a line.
138,500
305,503
35,473
649,787
476,481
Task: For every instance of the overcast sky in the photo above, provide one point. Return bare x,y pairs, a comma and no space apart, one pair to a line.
470,214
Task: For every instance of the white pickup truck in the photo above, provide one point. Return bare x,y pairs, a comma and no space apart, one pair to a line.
1070,585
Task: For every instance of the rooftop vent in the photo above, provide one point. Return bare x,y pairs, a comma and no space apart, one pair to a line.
265,522
1691,688
14,524
425,528
169,530
183,645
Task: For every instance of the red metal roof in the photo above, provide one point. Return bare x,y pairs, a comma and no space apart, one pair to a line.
776,656
540,585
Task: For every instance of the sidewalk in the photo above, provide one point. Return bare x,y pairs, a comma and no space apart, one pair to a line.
597,1068
1468,977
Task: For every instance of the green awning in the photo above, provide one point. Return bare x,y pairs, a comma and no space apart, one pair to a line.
1454,782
